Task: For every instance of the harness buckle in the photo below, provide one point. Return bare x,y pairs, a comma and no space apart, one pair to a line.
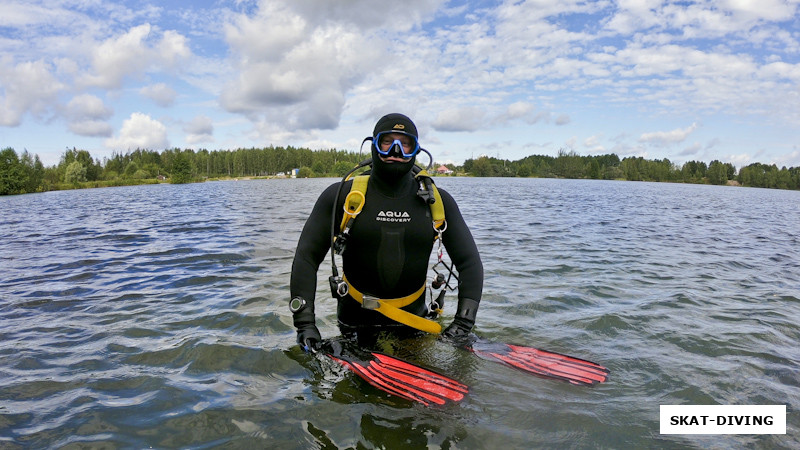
340,242
370,302
436,307
342,289
339,288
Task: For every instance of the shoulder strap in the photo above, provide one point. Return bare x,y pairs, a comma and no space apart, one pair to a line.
437,206
354,201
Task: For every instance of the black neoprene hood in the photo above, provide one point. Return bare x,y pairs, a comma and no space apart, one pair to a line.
395,122
392,172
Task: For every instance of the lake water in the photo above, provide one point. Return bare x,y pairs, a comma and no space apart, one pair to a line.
156,316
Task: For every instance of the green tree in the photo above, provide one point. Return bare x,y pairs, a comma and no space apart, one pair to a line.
93,169
524,170
693,172
341,168
758,175
131,169
594,171
11,172
141,174
657,170
181,169
783,179
319,168
613,173
33,172
482,167
609,160
717,173
632,168
75,173
568,165
305,172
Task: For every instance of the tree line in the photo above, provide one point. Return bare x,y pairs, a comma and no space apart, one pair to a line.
610,167
78,169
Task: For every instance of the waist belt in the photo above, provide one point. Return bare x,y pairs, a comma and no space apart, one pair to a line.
391,308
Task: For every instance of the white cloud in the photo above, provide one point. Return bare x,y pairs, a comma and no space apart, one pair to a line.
518,110
27,87
92,128
140,131
460,119
200,129
668,137
593,144
160,93
119,57
172,49
592,141
633,15
740,160
697,19
563,119
86,115
87,106
691,150
132,54
299,73
791,159
772,10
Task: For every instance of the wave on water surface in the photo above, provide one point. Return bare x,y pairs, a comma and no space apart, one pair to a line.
156,316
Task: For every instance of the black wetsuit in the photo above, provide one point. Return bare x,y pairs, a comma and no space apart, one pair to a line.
388,249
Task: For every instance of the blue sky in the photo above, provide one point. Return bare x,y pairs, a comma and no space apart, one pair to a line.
684,80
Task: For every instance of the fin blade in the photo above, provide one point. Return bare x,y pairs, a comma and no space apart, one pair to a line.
544,363
423,373
423,379
370,377
560,364
556,356
553,369
406,380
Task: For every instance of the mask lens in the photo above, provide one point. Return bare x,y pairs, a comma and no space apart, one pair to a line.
395,143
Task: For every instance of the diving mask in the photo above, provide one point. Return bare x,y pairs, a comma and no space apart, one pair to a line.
389,143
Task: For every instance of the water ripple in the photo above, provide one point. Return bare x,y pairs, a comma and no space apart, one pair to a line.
156,316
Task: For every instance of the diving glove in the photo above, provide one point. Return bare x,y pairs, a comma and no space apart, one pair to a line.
307,333
309,338
464,319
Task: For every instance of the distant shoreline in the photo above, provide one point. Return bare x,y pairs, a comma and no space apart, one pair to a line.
79,170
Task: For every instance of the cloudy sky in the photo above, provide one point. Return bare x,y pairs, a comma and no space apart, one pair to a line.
684,80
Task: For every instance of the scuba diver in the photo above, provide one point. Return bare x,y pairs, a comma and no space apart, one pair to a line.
384,226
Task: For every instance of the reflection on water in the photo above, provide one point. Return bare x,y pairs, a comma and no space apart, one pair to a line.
156,316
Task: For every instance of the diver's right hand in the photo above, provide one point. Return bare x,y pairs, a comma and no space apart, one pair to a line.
309,338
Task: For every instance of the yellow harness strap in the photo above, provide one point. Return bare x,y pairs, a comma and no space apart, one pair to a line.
437,208
354,201
353,204
391,309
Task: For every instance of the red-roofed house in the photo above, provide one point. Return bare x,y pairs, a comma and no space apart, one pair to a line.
443,170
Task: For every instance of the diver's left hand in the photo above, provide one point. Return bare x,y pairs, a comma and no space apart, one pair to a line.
458,329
